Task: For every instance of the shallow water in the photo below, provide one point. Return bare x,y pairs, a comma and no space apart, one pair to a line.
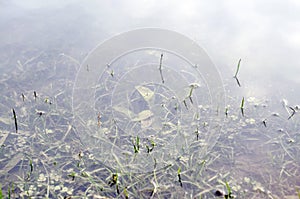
258,154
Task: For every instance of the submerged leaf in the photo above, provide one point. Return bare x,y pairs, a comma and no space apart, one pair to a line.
3,139
123,110
145,92
4,120
12,163
143,115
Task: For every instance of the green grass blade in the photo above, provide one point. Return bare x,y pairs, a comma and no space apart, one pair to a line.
242,106
238,68
242,103
228,187
1,195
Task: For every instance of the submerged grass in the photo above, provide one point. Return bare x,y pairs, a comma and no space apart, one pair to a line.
136,144
45,159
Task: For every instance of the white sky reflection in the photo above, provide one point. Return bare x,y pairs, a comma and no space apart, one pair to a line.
264,34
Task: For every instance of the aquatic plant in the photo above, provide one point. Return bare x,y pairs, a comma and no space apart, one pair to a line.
236,73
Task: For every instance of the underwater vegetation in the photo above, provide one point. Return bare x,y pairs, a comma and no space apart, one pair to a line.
256,154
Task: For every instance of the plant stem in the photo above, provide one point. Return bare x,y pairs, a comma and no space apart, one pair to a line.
160,68
242,106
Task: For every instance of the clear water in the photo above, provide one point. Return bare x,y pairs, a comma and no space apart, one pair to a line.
42,47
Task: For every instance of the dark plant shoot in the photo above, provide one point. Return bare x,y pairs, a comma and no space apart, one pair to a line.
34,95
15,119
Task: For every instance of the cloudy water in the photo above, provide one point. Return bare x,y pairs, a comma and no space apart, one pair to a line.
140,115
